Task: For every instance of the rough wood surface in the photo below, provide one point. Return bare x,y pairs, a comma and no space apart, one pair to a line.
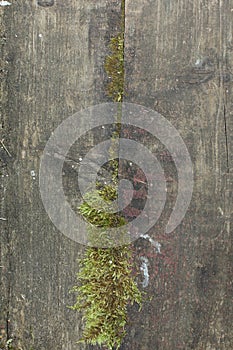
53,66
179,61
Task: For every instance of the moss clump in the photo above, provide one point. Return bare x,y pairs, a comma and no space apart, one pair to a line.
96,214
106,289
114,66
114,63
106,286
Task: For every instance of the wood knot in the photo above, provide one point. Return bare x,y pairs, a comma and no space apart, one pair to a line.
45,3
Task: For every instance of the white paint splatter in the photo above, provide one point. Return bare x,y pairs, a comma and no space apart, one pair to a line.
198,62
144,269
155,244
33,174
5,3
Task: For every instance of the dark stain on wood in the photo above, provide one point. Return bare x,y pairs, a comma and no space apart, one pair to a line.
45,3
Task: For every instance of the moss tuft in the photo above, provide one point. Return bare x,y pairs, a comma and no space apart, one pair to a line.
105,282
106,285
114,66
106,290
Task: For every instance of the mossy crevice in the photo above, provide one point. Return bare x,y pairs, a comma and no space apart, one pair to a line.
114,66
105,282
107,289
106,286
114,63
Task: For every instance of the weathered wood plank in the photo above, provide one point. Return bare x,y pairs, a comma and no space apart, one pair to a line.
54,54
179,62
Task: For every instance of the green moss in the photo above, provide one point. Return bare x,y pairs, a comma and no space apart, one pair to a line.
106,285
114,66
106,289
105,282
114,63
96,215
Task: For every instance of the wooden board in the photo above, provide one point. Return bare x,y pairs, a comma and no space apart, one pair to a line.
179,62
54,66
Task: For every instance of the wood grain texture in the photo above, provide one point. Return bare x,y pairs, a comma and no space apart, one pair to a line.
53,67
179,62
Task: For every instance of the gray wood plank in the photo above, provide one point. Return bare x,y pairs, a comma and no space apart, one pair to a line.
54,54
178,58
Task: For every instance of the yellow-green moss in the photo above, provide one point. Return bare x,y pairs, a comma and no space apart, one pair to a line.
106,289
114,66
114,63
105,282
106,285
